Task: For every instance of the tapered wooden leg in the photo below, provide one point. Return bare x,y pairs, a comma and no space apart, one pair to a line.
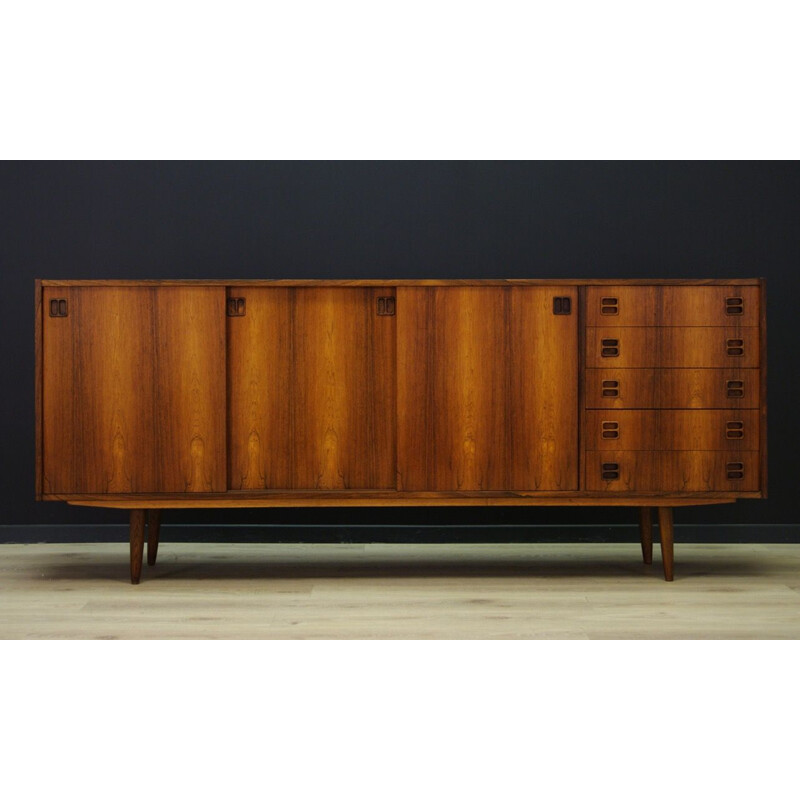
137,543
665,532
153,529
646,532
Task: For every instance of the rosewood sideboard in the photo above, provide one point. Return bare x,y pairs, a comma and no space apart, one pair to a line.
186,394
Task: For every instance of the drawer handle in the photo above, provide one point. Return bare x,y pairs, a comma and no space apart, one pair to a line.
735,347
734,388
610,348
609,430
610,389
610,471
734,430
609,306
735,470
734,306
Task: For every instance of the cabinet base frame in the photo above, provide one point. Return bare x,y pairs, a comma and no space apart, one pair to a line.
151,519
354,498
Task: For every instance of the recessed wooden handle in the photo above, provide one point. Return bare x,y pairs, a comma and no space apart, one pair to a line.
734,306
610,389
734,389
735,347
609,306
609,430
609,348
237,307
58,307
610,471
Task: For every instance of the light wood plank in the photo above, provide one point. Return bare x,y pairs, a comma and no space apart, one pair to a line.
413,591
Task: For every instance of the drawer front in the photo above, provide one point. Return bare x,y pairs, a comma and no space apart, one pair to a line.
671,471
725,306
672,347
672,388
672,430
616,306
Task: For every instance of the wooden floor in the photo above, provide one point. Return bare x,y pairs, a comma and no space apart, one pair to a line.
390,591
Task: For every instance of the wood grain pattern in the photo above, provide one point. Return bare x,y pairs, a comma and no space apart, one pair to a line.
453,591
312,390
487,389
487,453
422,499
671,306
671,347
134,391
672,388
38,321
189,386
672,430
671,471
633,305
709,305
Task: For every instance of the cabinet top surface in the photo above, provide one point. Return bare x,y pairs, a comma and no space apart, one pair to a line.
413,282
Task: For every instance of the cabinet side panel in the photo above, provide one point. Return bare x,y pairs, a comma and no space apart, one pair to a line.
763,383
37,393
189,401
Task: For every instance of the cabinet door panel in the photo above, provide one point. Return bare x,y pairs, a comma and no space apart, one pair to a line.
311,387
487,389
134,390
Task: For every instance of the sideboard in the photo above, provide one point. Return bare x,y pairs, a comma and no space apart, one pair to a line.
153,395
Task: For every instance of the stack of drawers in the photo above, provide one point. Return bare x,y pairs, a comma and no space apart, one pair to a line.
672,389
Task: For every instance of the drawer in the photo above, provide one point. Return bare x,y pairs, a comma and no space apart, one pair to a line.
671,471
615,306
672,347
672,388
672,430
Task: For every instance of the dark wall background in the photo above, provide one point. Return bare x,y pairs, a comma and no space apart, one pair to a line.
398,220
